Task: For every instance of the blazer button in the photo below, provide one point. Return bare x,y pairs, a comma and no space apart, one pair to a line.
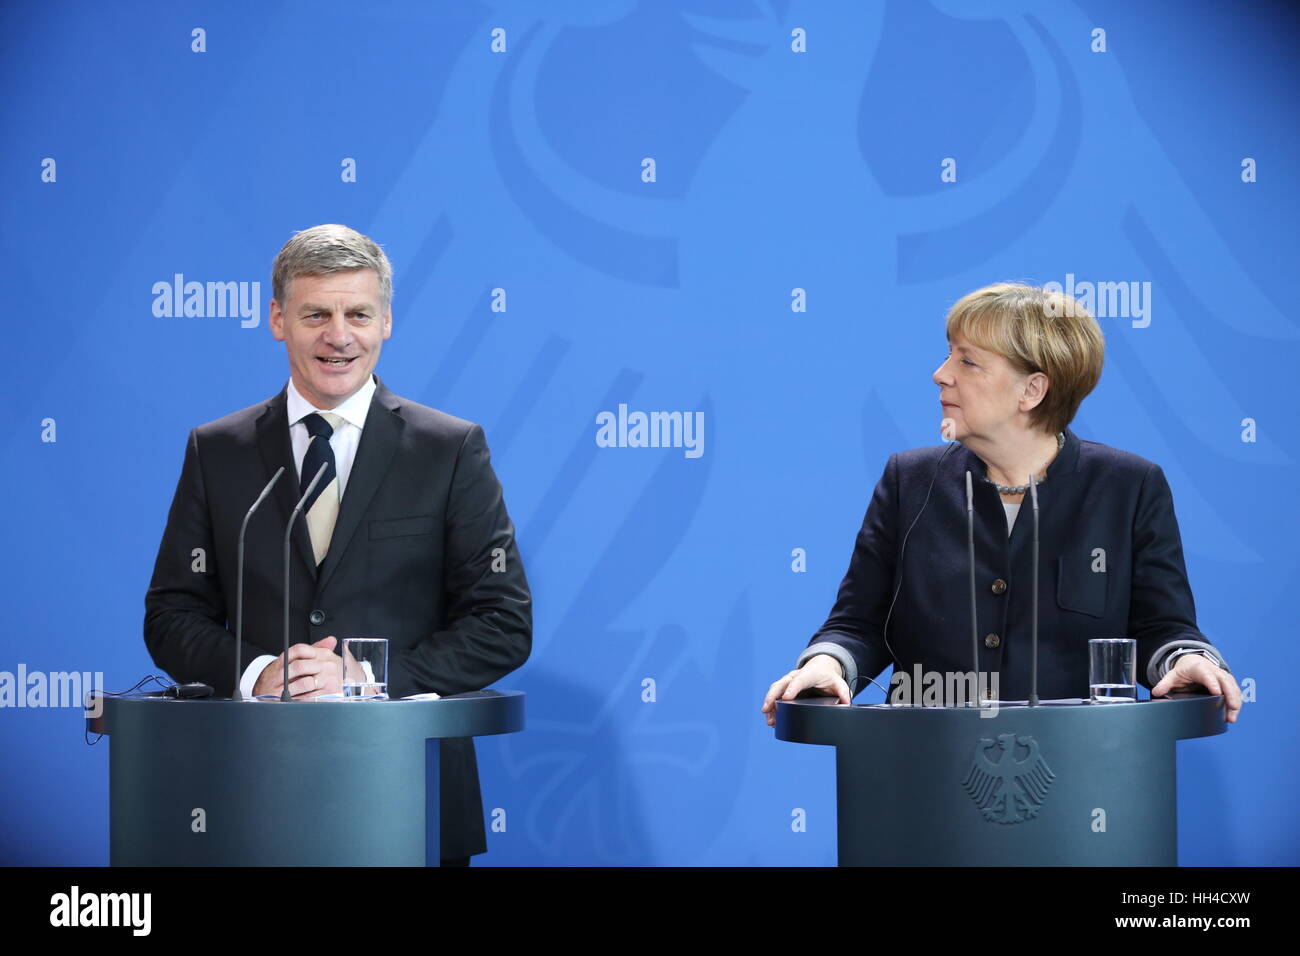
992,640
999,586
317,617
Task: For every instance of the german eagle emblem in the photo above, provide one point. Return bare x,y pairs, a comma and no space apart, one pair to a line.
1008,779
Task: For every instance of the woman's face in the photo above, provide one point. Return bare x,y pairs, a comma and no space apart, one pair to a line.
979,392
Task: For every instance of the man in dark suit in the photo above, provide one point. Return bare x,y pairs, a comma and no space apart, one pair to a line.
405,537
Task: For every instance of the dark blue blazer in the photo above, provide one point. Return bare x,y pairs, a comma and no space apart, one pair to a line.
1111,565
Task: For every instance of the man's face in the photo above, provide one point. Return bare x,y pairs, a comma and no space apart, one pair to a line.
325,319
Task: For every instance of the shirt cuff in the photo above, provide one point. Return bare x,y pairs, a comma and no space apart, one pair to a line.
252,673
837,652
1163,658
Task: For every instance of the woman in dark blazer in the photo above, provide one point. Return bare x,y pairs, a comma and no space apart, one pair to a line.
1020,361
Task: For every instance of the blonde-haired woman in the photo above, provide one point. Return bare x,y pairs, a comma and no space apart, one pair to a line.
1020,361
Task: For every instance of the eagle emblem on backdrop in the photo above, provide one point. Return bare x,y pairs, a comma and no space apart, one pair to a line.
1008,778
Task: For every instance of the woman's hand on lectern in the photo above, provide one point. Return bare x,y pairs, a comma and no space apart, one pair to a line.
1193,670
822,674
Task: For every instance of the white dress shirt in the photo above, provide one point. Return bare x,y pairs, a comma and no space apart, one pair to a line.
344,442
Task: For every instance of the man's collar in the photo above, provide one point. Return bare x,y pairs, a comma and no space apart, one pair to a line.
353,410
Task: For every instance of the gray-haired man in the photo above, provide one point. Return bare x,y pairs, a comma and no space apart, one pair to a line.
408,536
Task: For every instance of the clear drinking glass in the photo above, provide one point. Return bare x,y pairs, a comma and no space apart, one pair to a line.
1112,670
365,668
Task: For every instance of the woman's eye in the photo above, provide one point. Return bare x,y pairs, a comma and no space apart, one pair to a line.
964,361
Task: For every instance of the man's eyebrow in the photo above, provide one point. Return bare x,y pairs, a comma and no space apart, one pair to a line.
309,307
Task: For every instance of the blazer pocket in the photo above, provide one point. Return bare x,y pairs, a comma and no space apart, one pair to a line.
1079,588
403,527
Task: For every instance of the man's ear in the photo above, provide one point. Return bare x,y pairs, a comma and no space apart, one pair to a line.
276,321
388,323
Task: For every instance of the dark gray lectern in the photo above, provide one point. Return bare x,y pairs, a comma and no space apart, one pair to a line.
1054,785
264,783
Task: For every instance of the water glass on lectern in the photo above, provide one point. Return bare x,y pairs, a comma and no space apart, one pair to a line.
365,668
1112,670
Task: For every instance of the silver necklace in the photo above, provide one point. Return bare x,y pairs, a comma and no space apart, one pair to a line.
1021,489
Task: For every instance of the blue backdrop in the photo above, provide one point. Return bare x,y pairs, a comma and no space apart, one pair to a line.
759,211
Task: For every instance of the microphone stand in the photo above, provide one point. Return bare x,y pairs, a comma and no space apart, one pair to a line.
970,548
1033,643
239,587
288,531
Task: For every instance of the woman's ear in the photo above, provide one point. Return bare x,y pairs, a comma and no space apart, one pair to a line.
1034,390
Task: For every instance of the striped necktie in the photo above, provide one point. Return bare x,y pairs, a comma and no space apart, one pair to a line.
323,505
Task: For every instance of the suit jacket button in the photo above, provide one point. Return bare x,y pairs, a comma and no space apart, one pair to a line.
992,640
999,586
317,617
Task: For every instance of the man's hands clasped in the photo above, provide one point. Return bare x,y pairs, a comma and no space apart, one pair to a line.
314,671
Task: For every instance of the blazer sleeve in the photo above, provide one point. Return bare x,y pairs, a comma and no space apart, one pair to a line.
854,631
185,606
488,624
1162,614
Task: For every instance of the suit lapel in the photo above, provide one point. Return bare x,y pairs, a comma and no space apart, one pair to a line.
379,440
277,451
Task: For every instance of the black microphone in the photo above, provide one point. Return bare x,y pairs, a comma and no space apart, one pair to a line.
239,587
970,547
288,531
1033,625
